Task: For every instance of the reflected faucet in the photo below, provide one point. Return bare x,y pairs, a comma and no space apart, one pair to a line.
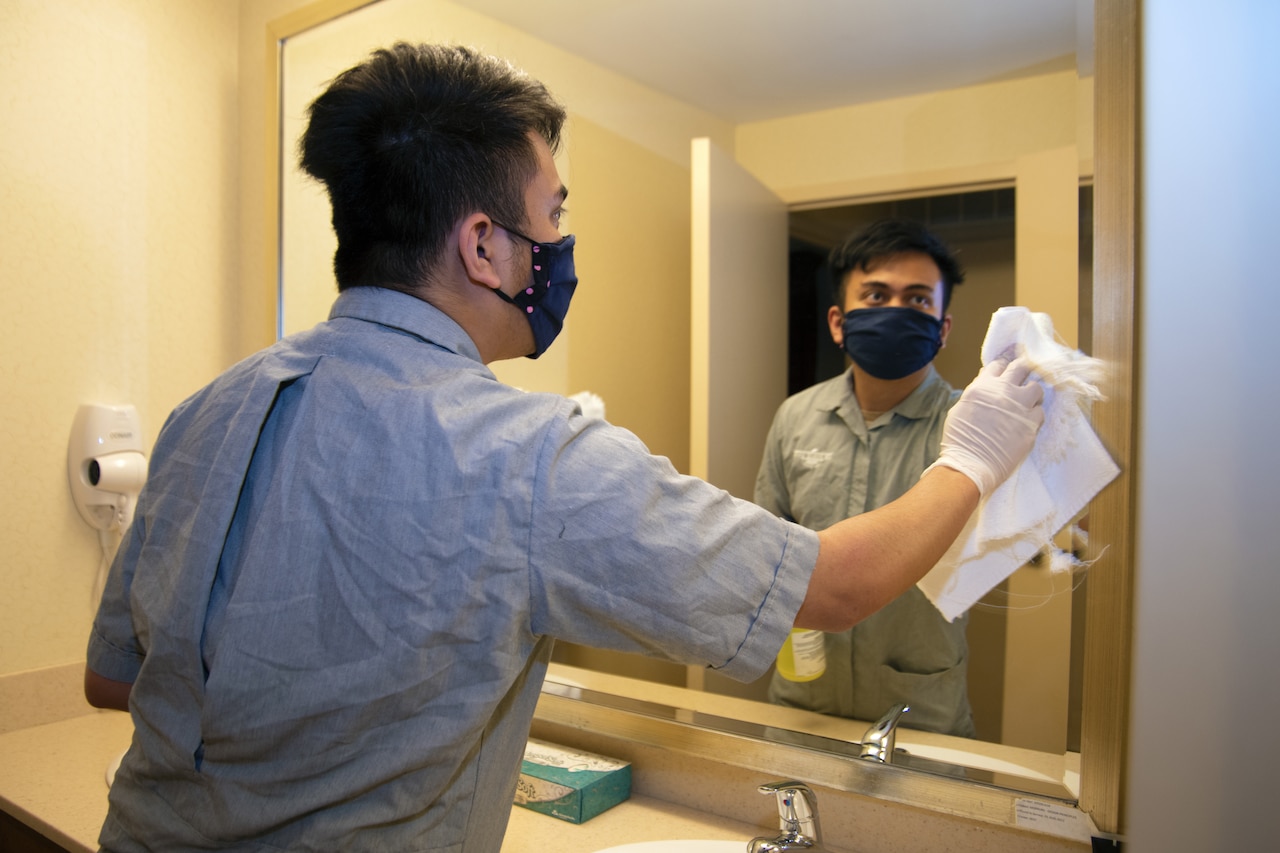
797,818
877,743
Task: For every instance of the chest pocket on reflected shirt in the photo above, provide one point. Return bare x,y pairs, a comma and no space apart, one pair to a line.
817,482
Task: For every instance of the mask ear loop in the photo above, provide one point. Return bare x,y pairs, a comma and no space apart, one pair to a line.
526,299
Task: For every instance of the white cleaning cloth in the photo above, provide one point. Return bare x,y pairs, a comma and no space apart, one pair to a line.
1067,466
592,405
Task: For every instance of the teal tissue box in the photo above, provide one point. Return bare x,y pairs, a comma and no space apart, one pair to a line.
570,784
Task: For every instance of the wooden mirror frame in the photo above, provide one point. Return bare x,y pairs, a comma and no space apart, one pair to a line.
1109,607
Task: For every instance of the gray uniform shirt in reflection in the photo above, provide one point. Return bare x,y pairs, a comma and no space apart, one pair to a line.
350,558
823,463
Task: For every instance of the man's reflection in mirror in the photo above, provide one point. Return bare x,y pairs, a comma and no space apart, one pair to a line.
860,440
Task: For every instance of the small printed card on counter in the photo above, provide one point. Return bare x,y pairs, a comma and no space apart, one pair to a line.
570,784
1054,818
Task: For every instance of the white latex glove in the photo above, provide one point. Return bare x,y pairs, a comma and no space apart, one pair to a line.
992,427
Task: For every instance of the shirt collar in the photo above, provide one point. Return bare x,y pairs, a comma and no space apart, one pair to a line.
406,313
834,396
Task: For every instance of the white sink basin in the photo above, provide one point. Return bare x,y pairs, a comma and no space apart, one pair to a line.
972,759
113,767
679,846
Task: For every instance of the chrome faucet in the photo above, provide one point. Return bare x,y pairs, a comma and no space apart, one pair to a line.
877,743
797,817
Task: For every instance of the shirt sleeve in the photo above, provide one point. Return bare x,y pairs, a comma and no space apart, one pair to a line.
628,554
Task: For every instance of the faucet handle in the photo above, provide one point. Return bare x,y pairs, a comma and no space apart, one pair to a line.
797,812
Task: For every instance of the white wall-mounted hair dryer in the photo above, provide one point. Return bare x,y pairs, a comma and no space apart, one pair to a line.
106,465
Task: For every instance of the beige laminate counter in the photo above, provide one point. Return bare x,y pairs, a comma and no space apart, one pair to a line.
53,778
54,752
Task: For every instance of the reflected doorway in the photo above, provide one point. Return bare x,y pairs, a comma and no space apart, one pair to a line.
978,225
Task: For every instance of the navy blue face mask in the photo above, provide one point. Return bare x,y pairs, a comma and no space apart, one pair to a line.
545,302
890,343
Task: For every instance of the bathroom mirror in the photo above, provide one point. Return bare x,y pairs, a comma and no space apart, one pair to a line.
623,116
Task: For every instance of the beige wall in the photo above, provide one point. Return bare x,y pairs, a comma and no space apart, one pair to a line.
117,262
954,137
629,327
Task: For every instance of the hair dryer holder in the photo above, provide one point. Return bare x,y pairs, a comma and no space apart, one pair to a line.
106,465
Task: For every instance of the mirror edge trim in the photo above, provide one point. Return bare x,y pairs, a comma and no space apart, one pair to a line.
1109,608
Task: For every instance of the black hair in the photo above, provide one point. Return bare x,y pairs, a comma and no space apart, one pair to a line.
887,237
412,140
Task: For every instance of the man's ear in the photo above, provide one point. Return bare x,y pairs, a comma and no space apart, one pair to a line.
946,328
835,323
477,249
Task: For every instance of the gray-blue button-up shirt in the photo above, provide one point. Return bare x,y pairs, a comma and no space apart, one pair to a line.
354,548
824,463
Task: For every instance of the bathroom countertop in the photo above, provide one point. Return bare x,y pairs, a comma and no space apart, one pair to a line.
637,819
53,779
54,776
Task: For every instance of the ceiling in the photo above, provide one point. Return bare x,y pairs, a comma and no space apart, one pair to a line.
749,60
